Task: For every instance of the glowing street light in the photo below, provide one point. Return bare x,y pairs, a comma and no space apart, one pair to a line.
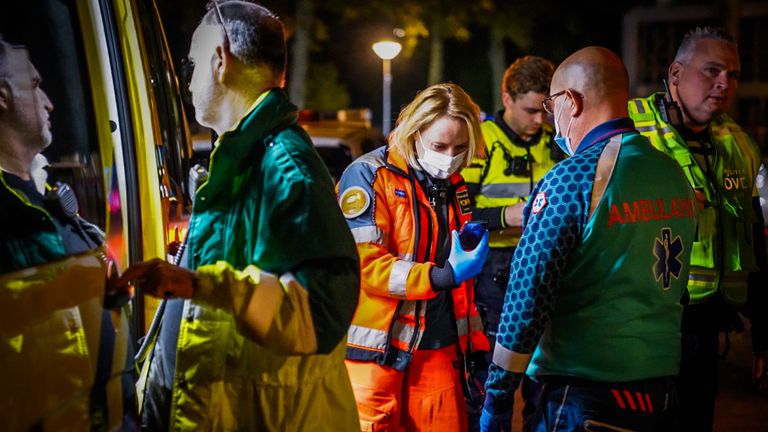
386,50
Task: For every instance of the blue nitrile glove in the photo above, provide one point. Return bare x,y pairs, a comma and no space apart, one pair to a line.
495,422
467,264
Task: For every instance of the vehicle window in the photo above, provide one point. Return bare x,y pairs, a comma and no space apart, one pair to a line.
55,49
174,146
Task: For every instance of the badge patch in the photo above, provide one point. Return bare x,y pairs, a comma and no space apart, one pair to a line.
399,193
539,202
462,197
354,201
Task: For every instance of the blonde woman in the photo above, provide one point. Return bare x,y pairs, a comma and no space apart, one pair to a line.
416,323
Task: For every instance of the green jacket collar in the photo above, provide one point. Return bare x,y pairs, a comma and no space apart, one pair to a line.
239,148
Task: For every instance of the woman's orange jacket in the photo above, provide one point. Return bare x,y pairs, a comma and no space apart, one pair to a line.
396,231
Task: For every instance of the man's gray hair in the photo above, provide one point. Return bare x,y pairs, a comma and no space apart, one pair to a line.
256,35
685,51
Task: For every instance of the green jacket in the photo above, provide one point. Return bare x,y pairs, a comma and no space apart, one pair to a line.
723,252
268,206
52,329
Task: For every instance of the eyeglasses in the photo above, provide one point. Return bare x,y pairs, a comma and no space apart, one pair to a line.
221,22
549,102
188,65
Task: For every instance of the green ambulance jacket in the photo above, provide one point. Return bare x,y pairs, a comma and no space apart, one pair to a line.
268,206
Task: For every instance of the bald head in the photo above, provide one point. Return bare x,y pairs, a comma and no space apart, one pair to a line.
597,73
590,87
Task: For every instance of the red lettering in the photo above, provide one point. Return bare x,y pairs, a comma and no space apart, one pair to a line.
675,211
688,207
615,215
645,205
631,215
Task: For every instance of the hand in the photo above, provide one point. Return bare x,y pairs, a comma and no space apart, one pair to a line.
116,294
161,279
760,371
467,264
496,422
513,215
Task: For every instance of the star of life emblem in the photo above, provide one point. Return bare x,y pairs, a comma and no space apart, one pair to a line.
539,202
667,250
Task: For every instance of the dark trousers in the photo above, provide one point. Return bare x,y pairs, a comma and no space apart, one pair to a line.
490,287
570,404
698,380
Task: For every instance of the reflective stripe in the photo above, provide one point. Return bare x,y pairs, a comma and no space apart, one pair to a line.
366,337
475,322
404,332
461,326
408,308
639,106
642,129
377,339
368,234
398,277
698,275
506,190
510,360
653,128
407,256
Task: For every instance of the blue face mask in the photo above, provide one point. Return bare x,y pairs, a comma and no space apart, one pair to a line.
564,142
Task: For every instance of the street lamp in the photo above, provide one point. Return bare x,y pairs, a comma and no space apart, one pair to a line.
386,50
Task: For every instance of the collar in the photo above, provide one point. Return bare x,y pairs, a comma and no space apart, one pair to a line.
605,131
512,135
36,171
239,124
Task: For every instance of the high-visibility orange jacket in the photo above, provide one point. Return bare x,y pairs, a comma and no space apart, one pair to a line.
396,231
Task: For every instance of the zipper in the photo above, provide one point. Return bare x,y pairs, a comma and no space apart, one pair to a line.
417,218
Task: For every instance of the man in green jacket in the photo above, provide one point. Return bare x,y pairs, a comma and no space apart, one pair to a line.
275,277
728,264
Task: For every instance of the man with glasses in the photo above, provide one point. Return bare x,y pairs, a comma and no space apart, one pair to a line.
259,342
593,307
721,163
520,151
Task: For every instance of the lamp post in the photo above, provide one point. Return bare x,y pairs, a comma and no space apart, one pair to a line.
386,50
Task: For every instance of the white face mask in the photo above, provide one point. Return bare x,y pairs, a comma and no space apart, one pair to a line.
439,165
563,141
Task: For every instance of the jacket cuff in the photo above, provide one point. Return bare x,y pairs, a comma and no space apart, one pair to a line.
442,278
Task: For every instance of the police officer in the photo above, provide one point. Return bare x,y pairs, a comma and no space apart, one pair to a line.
520,152
721,164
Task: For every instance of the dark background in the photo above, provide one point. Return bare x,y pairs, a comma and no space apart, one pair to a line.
345,73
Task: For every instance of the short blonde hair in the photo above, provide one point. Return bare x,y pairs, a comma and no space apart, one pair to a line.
430,104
